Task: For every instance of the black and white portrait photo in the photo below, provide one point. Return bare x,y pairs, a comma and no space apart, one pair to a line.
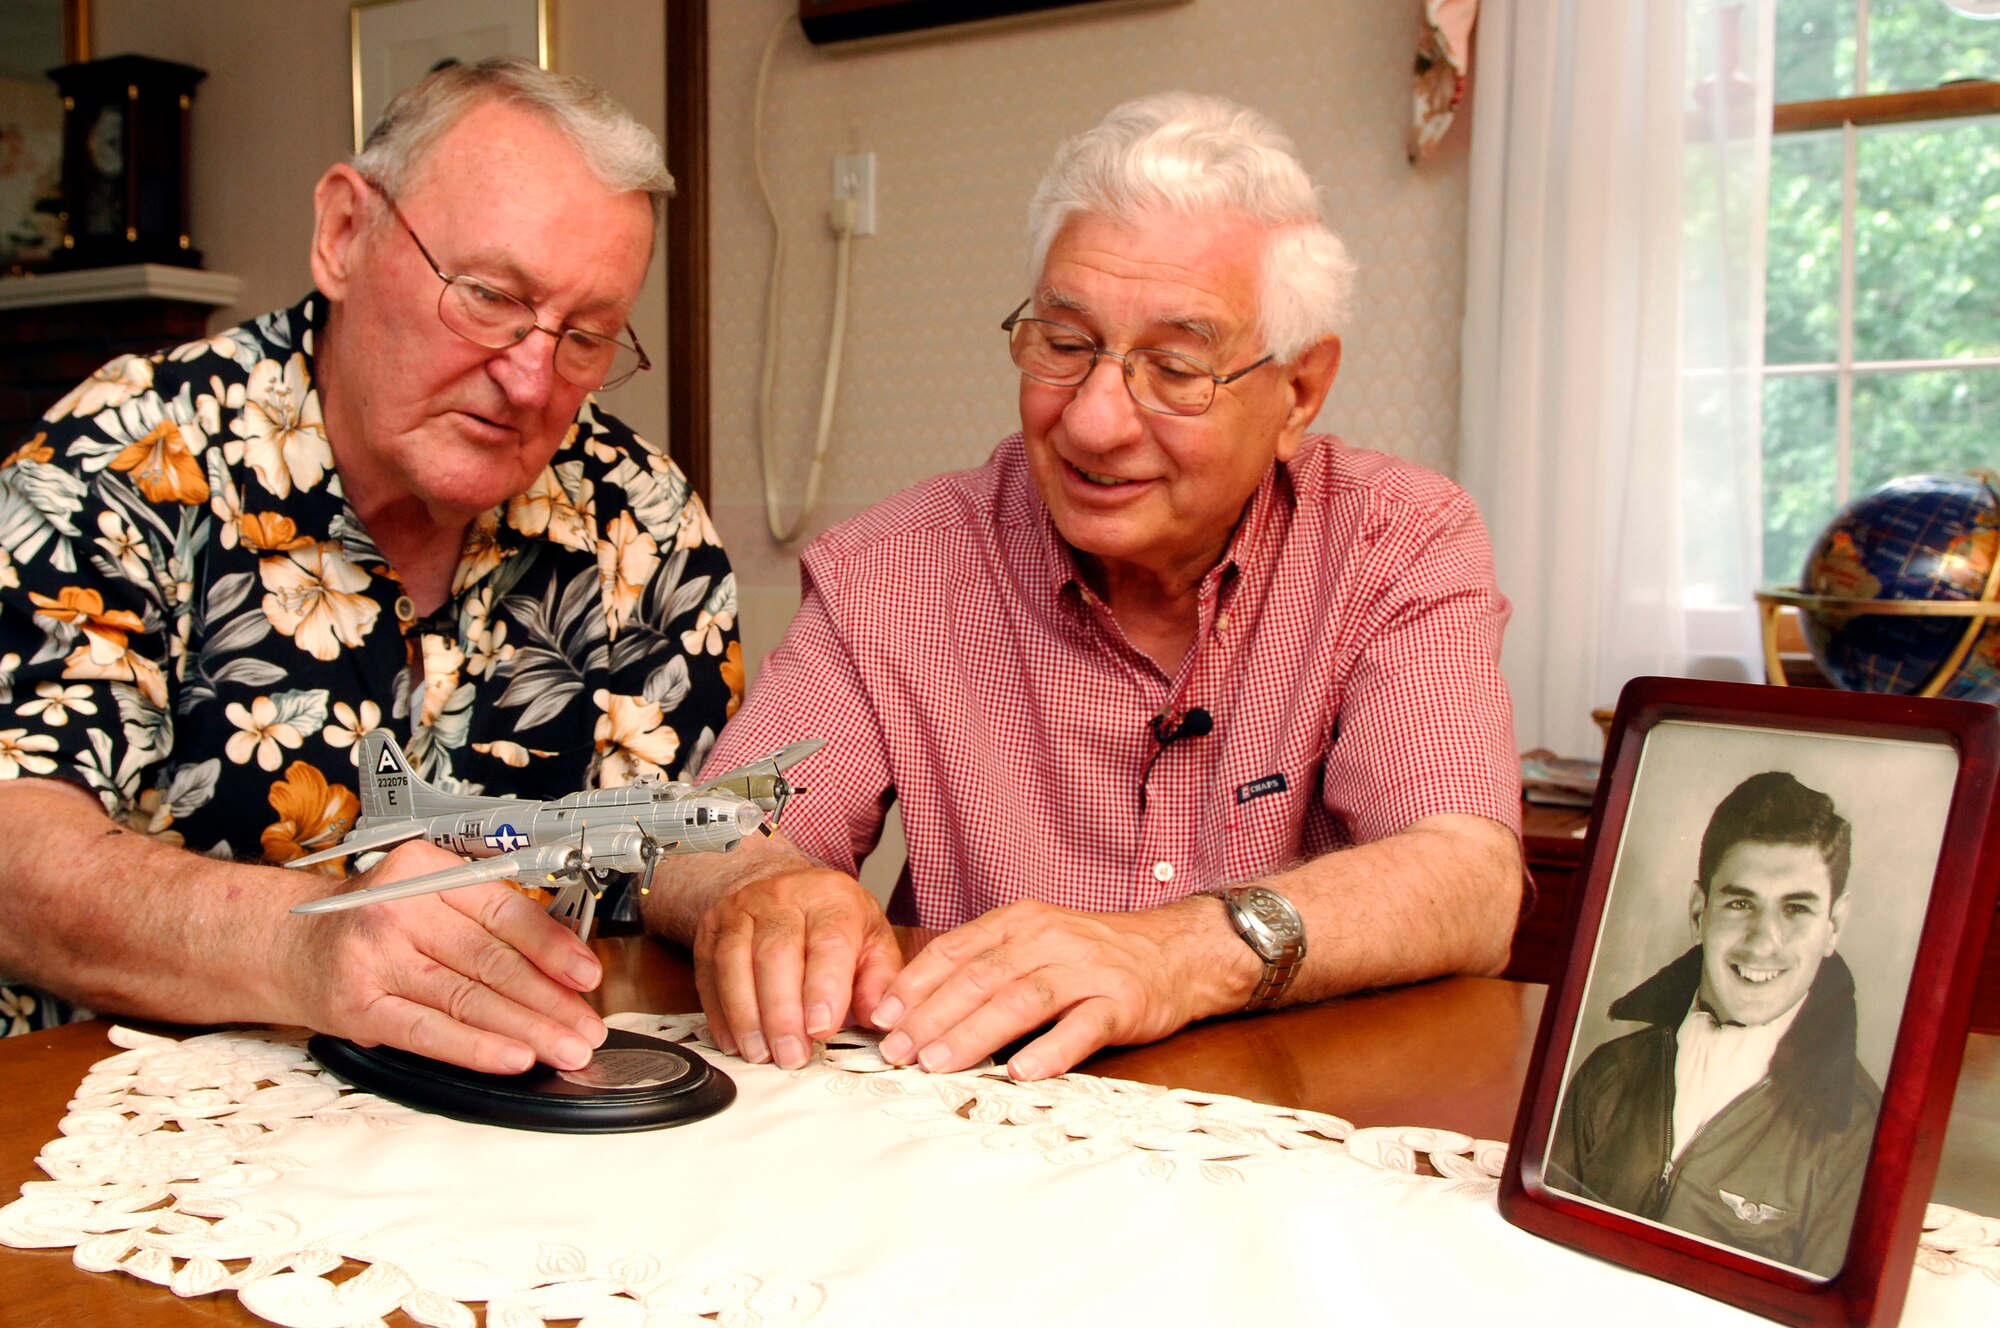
1747,981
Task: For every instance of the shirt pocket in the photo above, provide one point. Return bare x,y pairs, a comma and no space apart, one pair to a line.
1263,819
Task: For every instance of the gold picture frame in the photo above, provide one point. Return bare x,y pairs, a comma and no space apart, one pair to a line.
397,42
76,31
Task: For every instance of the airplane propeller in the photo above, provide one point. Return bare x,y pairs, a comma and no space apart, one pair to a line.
574,862
781,793
585,873
763,781
650,853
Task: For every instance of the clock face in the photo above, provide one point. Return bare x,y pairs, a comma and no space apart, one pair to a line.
97,196
106,141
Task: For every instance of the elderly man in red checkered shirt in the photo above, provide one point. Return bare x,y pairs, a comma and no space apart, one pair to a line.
1188,710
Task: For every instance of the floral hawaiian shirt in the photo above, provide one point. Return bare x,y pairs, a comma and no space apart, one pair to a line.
195,626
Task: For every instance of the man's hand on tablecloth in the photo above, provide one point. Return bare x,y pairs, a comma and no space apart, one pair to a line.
1103,979
481,976
790,958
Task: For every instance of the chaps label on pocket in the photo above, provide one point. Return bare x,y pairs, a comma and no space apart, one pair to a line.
1257,788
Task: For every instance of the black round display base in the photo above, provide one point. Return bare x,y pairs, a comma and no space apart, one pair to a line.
634,1082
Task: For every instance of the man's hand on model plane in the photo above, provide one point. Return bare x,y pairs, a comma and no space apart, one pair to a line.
479,976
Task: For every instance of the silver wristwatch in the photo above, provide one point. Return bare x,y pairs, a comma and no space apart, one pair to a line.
1272,929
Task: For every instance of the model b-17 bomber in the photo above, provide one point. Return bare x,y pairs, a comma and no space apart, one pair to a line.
574,842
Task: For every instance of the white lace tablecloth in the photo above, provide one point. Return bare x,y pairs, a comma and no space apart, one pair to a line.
845,1193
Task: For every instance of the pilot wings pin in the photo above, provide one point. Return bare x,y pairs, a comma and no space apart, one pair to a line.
1749,1210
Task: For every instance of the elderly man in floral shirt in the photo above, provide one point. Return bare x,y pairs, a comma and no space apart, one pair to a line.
393,504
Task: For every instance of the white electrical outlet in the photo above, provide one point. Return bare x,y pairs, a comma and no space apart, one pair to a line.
854,177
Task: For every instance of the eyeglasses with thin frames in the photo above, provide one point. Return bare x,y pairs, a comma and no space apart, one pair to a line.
490,317
1165,381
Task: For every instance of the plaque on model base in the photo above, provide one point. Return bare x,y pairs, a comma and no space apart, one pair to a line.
633,1082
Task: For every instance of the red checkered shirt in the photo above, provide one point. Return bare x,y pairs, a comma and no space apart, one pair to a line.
1348,652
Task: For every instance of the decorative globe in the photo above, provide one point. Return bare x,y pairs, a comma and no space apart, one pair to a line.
1924,537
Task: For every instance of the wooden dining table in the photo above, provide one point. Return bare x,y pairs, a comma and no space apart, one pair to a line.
1450,1054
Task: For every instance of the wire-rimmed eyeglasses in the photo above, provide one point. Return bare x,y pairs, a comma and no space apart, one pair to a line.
1159,380
490,317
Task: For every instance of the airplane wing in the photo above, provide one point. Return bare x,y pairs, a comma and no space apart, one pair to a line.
782,759
527,863
360,841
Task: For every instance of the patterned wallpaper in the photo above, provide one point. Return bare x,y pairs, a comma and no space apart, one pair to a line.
962,126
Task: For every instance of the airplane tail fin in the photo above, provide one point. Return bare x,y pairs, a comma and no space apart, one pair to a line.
390,790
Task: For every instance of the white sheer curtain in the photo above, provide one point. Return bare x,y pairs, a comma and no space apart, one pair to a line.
1613,341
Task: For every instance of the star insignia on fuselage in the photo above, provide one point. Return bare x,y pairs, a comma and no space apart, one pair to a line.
506,839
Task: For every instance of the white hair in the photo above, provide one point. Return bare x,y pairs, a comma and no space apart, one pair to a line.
1191,155
619,151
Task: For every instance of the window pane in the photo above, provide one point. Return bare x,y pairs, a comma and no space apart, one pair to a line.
1802,262
1799,470
1943,423
1815,43
1916,44
1927,241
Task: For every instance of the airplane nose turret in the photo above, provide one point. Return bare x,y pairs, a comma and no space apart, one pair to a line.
717,823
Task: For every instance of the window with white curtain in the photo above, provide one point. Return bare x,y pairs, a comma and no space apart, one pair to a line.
1882,285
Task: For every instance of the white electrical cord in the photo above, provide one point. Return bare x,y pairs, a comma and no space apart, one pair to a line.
842,218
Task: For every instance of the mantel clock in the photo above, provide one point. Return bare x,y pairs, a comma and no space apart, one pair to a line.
125,161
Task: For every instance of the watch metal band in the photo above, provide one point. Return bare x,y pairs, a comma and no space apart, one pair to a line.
1277,976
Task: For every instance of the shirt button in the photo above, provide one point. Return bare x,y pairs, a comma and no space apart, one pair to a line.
1163,872
406,609
1222,622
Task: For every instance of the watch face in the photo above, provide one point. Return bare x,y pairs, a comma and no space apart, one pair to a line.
1271,911
1273,926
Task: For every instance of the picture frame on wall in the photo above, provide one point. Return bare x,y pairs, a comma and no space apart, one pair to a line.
397,42
1743,1072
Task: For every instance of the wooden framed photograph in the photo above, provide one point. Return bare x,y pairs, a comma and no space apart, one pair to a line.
1743,1072
397,42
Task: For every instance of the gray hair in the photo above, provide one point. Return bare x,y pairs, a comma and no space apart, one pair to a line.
618,150
1192,155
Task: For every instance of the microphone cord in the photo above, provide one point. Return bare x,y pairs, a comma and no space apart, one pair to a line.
1167,730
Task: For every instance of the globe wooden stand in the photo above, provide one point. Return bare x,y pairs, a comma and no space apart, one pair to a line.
1977,612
